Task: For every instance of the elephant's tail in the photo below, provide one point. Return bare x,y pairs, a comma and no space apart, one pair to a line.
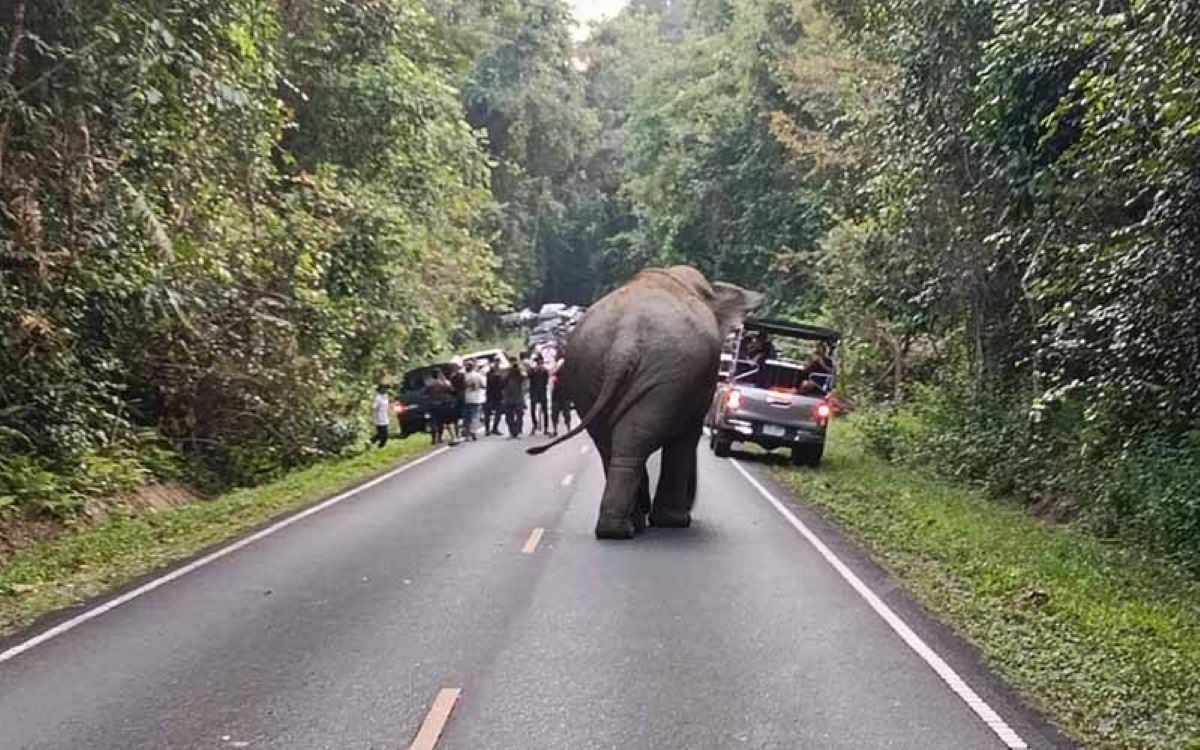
615,378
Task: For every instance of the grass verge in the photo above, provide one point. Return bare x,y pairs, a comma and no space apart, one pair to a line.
83,564
1102,639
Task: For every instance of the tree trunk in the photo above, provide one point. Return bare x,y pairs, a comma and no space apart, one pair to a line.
14,20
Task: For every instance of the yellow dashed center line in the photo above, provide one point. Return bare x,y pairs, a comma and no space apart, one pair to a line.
435,721
535,537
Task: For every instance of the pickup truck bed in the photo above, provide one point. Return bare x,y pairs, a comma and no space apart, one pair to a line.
777,408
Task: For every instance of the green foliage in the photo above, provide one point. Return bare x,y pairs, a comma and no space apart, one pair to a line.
525,94
709,181
1143,492
221,223
1020,235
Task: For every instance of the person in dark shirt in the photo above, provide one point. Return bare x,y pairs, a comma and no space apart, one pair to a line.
539,396
821,361
763,352
493,408
458,382
560,399
516,387
439,397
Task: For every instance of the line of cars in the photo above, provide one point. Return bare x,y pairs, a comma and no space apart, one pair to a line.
548,328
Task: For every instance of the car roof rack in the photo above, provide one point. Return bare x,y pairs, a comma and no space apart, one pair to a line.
792,330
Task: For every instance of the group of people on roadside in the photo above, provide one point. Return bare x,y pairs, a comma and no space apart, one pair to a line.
528,380
465,399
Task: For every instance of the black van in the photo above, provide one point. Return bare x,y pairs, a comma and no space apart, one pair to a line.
412,411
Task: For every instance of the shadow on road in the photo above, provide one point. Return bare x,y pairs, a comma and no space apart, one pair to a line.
766,459
697,535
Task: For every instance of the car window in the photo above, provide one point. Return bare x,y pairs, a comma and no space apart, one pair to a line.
415,379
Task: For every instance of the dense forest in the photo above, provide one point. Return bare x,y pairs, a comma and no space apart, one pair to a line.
221,222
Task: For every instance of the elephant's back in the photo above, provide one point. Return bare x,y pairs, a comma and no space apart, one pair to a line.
669,335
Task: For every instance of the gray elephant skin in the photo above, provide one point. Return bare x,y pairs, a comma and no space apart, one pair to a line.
641,367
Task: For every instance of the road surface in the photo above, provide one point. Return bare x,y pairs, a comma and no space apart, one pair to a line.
340,630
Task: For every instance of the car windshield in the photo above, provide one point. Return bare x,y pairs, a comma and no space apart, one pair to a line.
415,379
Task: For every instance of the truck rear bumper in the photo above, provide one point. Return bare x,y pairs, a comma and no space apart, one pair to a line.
769,435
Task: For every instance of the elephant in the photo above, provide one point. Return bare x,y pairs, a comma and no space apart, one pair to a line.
641,367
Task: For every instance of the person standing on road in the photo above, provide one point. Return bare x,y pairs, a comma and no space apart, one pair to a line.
560,401
439,396
458,383
493,408
539,384
515,387
475,396
381,414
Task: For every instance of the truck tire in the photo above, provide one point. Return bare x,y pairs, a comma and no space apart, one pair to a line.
808,455
721,444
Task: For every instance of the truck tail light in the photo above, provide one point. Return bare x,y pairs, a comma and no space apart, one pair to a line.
822,412
733,399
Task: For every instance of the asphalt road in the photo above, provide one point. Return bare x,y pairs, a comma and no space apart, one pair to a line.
339,630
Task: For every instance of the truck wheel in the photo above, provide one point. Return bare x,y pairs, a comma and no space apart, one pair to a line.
808,455
722,446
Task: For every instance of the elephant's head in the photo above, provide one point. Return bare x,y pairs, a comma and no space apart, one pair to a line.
729,302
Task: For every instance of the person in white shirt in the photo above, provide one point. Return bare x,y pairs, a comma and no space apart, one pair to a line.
381,413
474,397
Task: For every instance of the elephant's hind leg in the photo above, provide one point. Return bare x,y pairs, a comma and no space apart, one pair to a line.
641,506
676,492
626,481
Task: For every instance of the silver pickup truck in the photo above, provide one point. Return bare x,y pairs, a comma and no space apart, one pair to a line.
774,395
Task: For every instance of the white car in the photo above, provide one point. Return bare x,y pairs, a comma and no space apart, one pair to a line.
483,358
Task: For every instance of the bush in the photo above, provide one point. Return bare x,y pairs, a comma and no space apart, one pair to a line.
1143,487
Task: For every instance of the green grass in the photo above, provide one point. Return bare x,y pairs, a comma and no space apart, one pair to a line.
1103,640
87,562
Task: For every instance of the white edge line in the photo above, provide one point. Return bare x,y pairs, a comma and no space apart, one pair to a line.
149,586
985,712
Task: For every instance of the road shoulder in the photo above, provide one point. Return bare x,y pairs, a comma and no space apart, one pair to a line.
962,656
53,581
1097,638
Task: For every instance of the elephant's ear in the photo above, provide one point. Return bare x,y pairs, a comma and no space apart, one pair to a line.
731,303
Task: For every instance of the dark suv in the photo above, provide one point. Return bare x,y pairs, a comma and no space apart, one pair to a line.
411,410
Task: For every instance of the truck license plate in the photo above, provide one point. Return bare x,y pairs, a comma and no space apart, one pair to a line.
774,430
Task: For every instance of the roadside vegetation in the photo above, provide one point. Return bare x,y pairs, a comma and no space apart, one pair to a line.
1104,639
92,560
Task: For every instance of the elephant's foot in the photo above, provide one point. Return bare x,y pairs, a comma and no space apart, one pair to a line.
670,519
614,528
